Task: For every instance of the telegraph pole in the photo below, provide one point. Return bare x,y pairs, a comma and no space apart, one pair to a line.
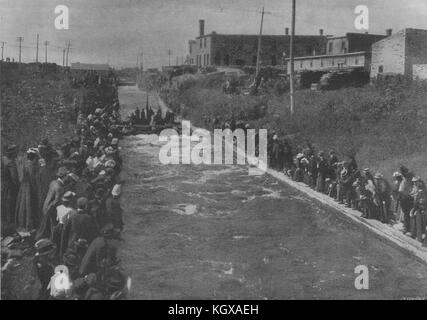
37,49
68,51
259,45
46,43
63,57
169,54
142,60
291,93
2,49
20,39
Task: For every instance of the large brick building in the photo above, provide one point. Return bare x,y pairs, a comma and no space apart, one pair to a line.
241,49
353,50
404,53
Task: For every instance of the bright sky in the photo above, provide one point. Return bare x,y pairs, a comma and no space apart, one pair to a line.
114,31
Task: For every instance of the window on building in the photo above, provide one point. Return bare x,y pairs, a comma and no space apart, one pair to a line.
333,62
207,59
321,62
311,64
274,46
240,62
273,60
300,64
205,43
200,43
254,60
343,47
356,61
217,58
226,59
380,69
330,47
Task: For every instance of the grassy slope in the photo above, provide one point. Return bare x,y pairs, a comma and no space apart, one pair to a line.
33,109
384,125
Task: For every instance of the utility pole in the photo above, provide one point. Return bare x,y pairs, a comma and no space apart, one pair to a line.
142,60
20,39
68,51
37,49
63,57
259,45
46,43
291,93
169,54
2,49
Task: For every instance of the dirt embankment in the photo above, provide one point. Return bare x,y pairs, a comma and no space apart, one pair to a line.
33,108
383,124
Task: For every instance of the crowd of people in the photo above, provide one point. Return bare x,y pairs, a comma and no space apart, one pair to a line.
63,206
146,116
402,201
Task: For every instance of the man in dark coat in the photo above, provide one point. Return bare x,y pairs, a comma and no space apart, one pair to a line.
101,253
114,210
97,209
9,184
54,195
79,226
322,172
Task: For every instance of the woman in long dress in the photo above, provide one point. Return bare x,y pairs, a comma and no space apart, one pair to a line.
46,174
9,185
26,213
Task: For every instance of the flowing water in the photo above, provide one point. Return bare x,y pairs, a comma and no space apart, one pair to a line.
215,232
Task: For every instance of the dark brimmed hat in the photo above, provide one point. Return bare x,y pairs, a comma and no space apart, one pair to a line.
70,258
11,149
108,230
62,172
403,170
44,247
82,203
99,192
81,243
68,196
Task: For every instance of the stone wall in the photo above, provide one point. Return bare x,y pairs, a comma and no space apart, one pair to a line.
419,71
389,55
416,50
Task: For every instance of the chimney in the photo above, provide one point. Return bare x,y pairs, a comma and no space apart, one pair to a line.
201,28
321,32
389,32
287,31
